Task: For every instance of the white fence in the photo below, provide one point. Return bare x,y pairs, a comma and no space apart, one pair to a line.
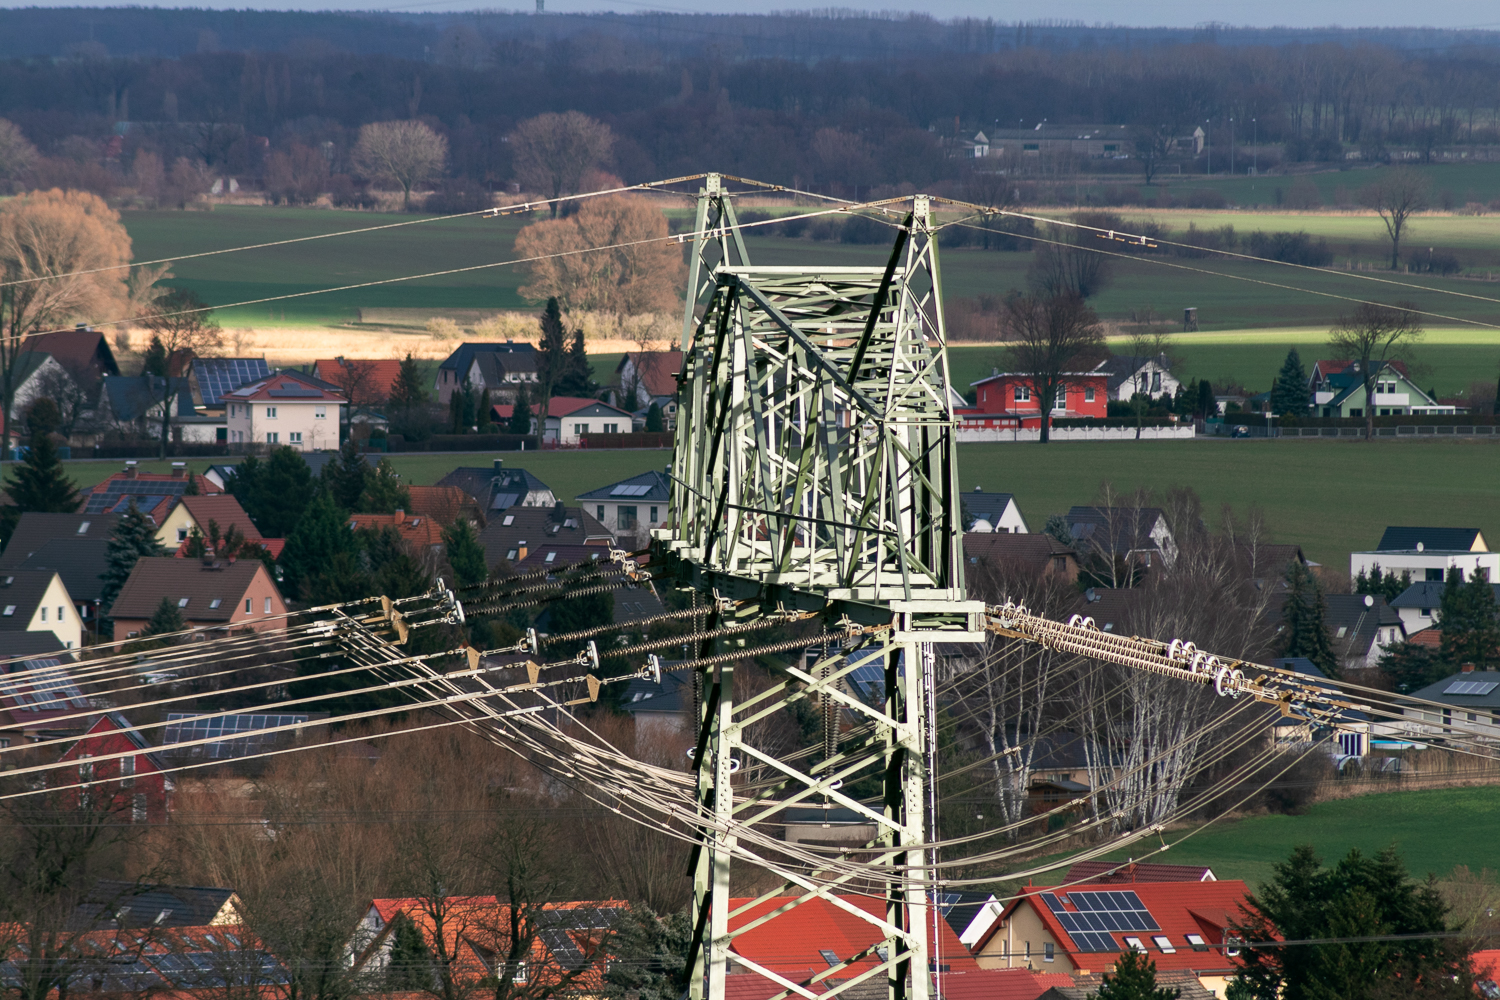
974,435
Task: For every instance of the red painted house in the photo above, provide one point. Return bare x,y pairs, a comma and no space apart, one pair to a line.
137,784
1010,399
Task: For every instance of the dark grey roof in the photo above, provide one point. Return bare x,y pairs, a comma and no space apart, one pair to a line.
32,644
1358,620
1129,526
494,489
643,695
648,487
131,396
22,589
535,526
113,495
990,506
1300,664
1482,689
960,908
112,904
1111,608
1441,539
1425,594
633,603
494,365
463,355
72,544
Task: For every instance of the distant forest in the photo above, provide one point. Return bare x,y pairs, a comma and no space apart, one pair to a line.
834,100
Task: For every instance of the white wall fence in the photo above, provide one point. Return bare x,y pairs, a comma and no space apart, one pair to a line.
974,435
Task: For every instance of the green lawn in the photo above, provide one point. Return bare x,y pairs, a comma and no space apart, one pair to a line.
1447,359
1331,497
1166,285
1434,830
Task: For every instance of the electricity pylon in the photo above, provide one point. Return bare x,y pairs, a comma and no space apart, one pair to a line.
814,470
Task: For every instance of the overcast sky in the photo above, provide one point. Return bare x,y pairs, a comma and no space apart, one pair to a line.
1175,13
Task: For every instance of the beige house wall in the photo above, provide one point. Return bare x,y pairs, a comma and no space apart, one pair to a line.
296,423
1021,943
56,613
266,610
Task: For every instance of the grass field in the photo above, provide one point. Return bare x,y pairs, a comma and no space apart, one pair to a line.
1216,288
1434,830
1447,359
1330,497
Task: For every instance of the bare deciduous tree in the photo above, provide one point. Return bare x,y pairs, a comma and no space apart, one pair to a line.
553,152
407,152
1397,194
44,235
640,272
17,154
186,329
1373,336
1051,340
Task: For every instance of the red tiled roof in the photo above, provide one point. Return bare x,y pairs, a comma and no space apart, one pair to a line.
374,378
660,374
444,504
416,530
560,406
1486,964
1113,872
1181,908
224,510
1327,367
283,387
791,945
1001,984
1431,636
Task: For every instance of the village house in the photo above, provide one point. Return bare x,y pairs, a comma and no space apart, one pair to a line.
132,405
36,600
644,377
84,352
631,505
447,505
991,512
503,374
193,513
219,594
361,380
513,535
1337,389
570,420
1361,627
1010,399
1040,555
38,696
1429,553
155,493
211,379
287,408
498,488
1136,535
72,545
138,784
423,535
1183,926
33,375
1130,374
457,366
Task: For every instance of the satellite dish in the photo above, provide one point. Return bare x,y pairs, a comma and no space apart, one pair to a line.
1369,601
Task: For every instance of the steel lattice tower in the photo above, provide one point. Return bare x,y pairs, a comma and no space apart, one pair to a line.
814,471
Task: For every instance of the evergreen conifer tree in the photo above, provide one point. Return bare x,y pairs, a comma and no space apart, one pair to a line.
1303,632
285,488
578,375
346,476
654,421
37,484
1471,632
384,493
465,554
408,391
1289,393
482,414
154,361
409,969
552,353
1134,979
1207,405
520,414
320,561
650,954
134,538
165,620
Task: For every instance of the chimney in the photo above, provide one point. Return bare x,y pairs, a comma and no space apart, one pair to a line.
400,515
1467,668
131,471
559,511
208,555
520,551
499,466
179,470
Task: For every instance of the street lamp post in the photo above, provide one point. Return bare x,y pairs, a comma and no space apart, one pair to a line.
1255,146
1231,146
1208,146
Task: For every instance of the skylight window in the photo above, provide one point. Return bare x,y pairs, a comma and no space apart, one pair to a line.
551,556
1164,943
831,957
1134,944
182,602
509,520
10,609
83,529
215,602
1197,942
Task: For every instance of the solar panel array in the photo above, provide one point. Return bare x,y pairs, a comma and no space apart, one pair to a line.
183,727
1099,914
630,490
147,492
217,376
209,969
52,693
1471,687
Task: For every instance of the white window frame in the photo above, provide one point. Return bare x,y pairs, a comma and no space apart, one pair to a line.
270,413
127,772
272,437
294,437
1088,394
268,605
1023,393
320,413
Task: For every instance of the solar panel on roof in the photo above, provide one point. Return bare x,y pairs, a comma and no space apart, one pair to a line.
219,376
630,490
183,727
1471,687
